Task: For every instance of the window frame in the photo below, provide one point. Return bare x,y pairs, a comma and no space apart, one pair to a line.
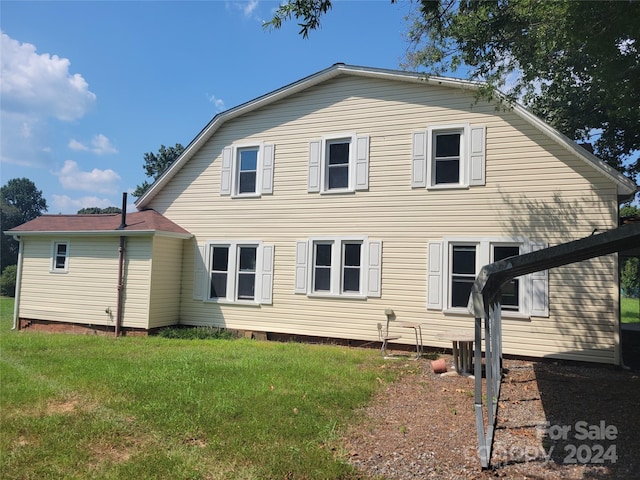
235,169
233,271
484,256
463,178
327,141
337,267
53,268
519,281
369,274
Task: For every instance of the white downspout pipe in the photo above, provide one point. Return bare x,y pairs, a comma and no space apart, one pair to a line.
16,305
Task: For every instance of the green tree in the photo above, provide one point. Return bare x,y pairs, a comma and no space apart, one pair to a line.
156,164
630,277
8,281
575,64
98,210
20,201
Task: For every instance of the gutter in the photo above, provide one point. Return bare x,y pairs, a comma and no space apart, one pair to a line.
16,304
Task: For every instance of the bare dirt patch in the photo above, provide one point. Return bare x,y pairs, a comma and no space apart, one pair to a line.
555,421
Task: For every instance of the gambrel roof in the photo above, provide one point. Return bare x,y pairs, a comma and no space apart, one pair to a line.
625,187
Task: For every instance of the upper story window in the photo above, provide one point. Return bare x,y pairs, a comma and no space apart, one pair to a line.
247,170
446,157
338,267
247,175
234,271
449,156
339,164
60,257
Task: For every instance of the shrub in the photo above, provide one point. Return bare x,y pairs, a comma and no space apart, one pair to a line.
8,281
196,333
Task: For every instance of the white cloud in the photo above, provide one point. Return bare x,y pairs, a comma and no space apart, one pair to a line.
248,8
66,204
36,89
217,102
41,84
100,181
100,145
76,145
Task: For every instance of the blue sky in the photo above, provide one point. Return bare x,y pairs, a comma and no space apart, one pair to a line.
89,87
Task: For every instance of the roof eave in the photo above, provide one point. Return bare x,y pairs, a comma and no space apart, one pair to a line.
97,233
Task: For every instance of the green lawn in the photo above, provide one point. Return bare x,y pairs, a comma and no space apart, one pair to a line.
630,310
83,406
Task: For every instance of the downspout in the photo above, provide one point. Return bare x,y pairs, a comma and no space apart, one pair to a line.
16,305
121,252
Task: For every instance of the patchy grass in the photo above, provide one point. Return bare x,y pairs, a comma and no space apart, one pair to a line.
630,310
79,406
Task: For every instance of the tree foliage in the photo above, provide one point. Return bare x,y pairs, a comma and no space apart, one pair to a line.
156,163
98,210
630,277
20,201
575,64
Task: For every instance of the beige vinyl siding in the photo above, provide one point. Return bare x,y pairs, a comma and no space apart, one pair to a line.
137,285
534,188
164,300
88,292
83,293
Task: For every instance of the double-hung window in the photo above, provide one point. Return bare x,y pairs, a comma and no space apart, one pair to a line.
510,291
448,156
60,257
235,271
339,163
463,274
347,267
454,263
247,170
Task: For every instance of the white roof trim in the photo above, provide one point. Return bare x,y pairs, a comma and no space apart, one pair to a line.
625,186
100,233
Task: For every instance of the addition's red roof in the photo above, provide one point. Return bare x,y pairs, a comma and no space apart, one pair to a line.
144,221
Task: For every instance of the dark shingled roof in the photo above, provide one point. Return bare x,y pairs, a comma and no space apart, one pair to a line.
144,221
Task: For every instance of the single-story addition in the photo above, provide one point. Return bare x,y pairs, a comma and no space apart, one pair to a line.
99,271
315,208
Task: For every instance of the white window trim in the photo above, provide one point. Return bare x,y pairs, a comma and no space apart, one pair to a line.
324,166
484,255
369,270
236,165
232,271
463,129
264,170
472,156
54,250
358,164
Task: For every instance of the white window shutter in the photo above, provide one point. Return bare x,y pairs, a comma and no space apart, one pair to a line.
301,277
419,160
199,270
362,163
374,269
314,166
434,276
539,287
266,282
267,168
225,176
477,156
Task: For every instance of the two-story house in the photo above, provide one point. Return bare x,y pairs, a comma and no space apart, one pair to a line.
312,209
